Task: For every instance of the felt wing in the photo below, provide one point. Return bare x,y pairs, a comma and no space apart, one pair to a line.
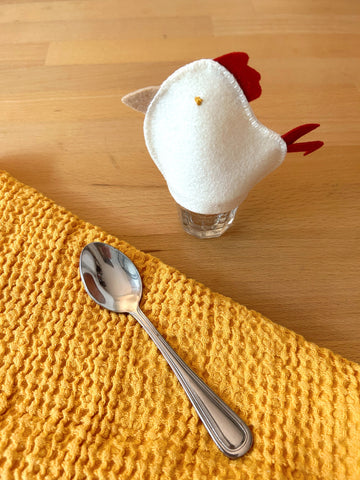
140,99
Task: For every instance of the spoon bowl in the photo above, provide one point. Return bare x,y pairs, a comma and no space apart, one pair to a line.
112,280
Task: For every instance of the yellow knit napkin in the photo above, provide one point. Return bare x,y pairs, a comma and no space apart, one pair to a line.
84,394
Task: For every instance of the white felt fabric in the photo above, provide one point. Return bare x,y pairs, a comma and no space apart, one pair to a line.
212,154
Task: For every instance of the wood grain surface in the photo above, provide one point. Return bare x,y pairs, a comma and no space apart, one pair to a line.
293,253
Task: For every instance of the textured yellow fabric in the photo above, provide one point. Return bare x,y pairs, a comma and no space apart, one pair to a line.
84,394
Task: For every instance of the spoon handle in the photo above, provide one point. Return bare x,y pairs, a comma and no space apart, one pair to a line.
231,435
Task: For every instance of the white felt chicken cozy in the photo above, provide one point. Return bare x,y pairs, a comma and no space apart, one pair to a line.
204,137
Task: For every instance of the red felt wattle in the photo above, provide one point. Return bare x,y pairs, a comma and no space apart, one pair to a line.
247,77
307,147
298,132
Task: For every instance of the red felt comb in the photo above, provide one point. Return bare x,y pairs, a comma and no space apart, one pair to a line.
247,77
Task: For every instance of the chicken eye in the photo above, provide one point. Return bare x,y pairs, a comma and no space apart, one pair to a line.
198,100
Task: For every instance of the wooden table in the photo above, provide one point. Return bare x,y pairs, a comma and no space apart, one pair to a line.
293,253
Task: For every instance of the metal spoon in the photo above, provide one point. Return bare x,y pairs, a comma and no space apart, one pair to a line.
112,280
